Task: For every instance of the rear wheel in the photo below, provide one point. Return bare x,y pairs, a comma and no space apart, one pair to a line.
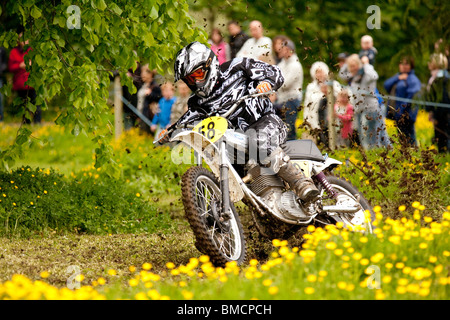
351,197
222,240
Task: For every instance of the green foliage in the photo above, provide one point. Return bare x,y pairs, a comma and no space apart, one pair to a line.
74,61
36,201
392,178
322,29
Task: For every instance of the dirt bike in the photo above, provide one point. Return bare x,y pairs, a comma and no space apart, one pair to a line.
209,196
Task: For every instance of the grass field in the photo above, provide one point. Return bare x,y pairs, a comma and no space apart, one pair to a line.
62,221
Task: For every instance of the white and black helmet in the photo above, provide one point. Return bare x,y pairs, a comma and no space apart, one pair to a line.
198,67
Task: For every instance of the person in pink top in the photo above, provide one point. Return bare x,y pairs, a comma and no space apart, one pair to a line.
219,46
343,112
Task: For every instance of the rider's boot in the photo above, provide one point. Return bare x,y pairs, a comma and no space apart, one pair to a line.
303,186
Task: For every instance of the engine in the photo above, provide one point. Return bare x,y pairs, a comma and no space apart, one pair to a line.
272,190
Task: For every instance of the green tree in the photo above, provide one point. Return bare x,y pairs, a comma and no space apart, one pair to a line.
77,45
322,29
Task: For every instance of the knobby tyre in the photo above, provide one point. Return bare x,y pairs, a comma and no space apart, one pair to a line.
222,241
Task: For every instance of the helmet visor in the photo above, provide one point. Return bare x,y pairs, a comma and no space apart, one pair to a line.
195,76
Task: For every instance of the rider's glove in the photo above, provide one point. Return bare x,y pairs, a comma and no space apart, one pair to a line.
263,87
164,136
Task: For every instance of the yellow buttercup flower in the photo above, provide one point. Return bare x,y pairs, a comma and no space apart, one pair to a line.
416,204
147,266
273,290
309,290
133,282
112,272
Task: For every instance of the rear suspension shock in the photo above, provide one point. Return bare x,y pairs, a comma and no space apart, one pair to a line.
326,185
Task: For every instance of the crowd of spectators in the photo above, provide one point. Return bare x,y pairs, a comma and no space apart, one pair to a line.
358,110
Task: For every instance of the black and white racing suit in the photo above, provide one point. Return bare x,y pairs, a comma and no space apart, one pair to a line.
236,79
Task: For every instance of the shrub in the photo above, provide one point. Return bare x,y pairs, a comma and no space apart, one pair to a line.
36,201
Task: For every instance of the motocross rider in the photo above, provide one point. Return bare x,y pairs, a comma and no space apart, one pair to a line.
216,86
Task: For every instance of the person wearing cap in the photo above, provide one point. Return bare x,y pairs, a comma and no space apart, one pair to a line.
289,95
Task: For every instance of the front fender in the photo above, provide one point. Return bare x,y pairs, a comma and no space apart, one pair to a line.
211,155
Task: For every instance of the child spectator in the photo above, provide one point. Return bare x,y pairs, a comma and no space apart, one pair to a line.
367,49
162,119
180,106
219,46
343,112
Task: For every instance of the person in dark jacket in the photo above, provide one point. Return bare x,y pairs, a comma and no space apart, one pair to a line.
404,84
438,91
237,38
216,87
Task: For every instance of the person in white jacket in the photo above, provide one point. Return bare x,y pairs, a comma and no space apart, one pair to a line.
315,92
289,96
258,46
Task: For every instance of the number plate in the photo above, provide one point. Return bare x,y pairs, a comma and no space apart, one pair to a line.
212,128
304,166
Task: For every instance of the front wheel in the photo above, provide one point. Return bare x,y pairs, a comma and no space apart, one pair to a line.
222,240
361,219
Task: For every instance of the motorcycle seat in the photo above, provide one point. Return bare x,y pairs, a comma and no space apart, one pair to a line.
304,149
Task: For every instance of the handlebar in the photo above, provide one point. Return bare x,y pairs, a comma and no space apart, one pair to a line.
254,94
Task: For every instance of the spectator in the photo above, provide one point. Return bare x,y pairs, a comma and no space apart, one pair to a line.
17,66
363,82
442,46
341,59
438,90
290,93
3,68
258,47
162,118
314,96
383,137
237,38
219,46
367,49
129,116
404,84
277,45
343,112
180,106
148,96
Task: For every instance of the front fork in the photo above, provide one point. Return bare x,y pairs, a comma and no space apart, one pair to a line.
224,182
